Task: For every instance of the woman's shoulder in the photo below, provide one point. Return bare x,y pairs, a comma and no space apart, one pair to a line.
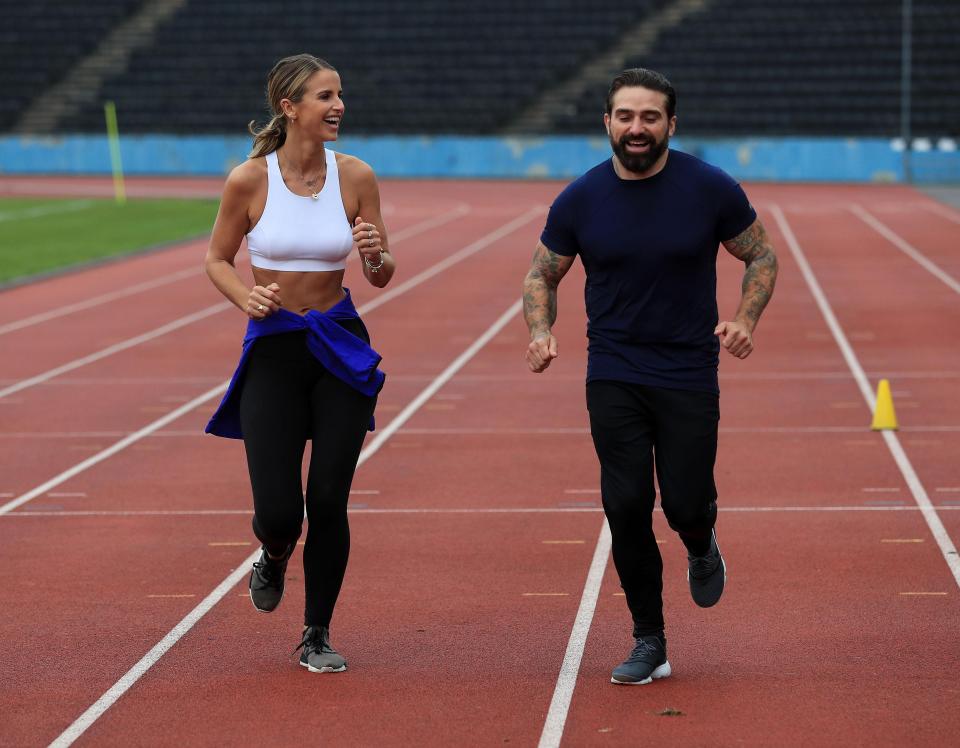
246,178
354,169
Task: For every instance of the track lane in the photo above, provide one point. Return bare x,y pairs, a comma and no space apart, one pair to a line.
351,715
465,281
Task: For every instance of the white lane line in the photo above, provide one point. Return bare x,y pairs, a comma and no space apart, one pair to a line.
947,548
562,509
567,680
117,347
196,402
901,244
458,256
480,431
941,210
93,301
399,236
379,301
45,210
111,450
90,716
404,415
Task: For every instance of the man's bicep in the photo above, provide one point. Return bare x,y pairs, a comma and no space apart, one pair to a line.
749,244
550,265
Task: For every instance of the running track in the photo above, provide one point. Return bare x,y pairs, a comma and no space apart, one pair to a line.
479,574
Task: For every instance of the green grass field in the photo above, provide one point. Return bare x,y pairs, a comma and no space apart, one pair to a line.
40,235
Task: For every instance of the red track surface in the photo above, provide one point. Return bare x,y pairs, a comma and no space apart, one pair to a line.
815,641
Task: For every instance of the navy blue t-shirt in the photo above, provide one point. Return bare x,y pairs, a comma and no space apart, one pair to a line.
649,248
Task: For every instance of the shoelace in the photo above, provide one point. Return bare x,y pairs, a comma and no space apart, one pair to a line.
315,639
271,569
644,651
703,566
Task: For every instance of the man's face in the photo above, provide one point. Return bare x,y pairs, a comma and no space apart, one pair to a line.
638,127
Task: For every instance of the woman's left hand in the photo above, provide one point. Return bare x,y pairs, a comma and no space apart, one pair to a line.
367,238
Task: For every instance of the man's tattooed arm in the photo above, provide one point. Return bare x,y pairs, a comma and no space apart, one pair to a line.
760,276
540,289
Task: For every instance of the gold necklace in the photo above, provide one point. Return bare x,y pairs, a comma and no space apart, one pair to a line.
311,183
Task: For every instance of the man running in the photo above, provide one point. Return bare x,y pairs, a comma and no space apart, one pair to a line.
647,224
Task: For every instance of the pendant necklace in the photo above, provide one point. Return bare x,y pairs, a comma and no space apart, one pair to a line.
311,182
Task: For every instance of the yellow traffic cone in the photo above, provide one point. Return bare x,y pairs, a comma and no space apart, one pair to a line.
884,417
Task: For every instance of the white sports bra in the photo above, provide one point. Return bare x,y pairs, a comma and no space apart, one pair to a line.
301,233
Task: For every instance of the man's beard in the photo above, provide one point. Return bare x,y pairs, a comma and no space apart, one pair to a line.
639,162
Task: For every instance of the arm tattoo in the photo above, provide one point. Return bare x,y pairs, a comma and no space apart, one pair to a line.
760,275
540,289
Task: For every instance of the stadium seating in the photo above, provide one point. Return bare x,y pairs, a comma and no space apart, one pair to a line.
430,66
41,39
820,67
757,67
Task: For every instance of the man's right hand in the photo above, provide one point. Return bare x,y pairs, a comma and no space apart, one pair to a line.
541,351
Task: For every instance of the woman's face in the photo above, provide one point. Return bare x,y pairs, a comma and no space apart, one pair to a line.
320,110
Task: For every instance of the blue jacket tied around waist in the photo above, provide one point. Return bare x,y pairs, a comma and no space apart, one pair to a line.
342,353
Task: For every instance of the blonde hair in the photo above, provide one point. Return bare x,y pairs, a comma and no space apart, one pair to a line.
287,80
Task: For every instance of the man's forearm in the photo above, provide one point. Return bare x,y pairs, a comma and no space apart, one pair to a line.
539,304
759,279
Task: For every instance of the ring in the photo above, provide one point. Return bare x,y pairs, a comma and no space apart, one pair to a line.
260,307
369,235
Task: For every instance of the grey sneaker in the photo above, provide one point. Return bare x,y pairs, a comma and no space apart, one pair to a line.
707,575
266,580
647,662
317,655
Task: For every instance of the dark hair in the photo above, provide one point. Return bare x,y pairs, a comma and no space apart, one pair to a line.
646,79
286,81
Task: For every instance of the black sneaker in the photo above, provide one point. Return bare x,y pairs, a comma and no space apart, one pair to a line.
317,655
707,575
266,580
647,661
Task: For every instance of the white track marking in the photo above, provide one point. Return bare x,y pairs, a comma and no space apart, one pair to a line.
45,210
399,236
111,450
83,722
940,210
480,431
405,233
901,244
457,257
567,680
116,348
93,301
404,415
196,402
893,443
443,510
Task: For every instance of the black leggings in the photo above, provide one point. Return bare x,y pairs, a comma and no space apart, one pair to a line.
634,427
287,398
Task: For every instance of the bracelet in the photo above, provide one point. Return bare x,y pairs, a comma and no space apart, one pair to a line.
374,268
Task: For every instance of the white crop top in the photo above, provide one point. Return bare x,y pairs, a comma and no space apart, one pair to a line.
301,233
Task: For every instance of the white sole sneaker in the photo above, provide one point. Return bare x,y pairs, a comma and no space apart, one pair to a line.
323,669
663,671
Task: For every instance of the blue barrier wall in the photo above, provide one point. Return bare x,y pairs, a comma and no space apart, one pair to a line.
754,159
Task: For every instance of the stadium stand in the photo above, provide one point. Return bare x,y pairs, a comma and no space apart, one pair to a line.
818,67
41,39
407,67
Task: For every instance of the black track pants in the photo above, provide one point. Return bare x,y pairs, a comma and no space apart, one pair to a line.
636,427
288,397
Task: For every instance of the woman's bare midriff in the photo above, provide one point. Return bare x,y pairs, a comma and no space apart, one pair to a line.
302,291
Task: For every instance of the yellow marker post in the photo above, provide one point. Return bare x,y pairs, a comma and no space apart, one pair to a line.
113,138
884,416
